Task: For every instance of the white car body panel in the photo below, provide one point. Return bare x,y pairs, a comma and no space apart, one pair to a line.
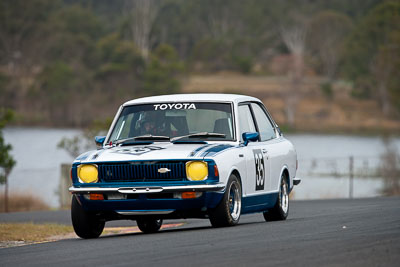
280,155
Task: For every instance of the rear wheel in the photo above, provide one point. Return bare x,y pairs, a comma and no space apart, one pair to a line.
86,224
228,211
281,209
149,225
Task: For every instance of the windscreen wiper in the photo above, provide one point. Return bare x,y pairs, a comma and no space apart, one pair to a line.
198,135
145,137
151,137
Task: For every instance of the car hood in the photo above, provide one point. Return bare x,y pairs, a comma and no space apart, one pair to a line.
157,151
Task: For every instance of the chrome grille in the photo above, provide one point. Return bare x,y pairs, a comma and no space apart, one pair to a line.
142,171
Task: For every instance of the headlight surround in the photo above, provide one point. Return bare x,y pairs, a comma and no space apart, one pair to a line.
196,170
88,173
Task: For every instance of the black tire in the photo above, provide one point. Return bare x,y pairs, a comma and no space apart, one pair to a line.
86,224
149,225
281,209
228,211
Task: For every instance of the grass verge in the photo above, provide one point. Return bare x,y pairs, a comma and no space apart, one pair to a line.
30,232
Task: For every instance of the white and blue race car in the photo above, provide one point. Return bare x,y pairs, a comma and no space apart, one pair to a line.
213,156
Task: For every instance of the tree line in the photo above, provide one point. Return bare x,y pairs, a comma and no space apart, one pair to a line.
63,63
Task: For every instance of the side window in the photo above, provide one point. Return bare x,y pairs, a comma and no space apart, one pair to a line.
246,123
265,127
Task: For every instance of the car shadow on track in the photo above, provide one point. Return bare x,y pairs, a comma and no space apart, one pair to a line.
201,225
187,228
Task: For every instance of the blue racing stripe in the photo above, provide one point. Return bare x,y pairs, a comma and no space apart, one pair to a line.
197,150
212,151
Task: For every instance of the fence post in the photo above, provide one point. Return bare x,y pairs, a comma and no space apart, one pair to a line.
351,180
65,183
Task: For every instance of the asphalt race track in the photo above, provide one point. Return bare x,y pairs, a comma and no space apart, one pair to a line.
361,232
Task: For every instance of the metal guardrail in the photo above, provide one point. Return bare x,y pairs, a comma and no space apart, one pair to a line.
342,167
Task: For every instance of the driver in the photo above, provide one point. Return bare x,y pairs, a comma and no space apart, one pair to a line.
153,124
148,127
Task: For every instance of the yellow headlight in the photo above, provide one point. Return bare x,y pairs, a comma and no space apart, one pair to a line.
88,173
196,170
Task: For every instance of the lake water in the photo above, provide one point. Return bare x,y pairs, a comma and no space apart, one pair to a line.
323,163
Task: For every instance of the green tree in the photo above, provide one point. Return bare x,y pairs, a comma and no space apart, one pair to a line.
5,94
6,160
326,34
162,73
372,53
211,55
56,84
116,55
119,70
75,31
385,73
21,23
23,27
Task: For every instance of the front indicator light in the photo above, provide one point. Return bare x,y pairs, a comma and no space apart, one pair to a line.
88,173
96,197
196,170
216,172
186,195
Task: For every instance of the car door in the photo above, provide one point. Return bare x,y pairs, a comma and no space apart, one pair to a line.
258,163
268,145
246,124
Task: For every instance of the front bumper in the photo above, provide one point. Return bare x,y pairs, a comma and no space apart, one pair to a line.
149,189
150,200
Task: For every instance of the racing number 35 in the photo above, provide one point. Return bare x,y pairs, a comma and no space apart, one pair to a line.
260,169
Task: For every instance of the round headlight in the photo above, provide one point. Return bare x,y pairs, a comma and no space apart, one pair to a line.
196,170
88,173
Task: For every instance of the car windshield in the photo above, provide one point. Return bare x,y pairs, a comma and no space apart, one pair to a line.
175,121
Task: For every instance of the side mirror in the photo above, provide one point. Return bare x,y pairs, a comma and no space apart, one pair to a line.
250,137
99,140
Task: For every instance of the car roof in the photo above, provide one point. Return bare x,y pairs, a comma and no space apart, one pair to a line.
192,97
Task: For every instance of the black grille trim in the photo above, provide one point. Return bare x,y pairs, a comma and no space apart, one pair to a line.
141,171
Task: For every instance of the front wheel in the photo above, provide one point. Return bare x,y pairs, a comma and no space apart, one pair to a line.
227,212
281,209
86,224
149,225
